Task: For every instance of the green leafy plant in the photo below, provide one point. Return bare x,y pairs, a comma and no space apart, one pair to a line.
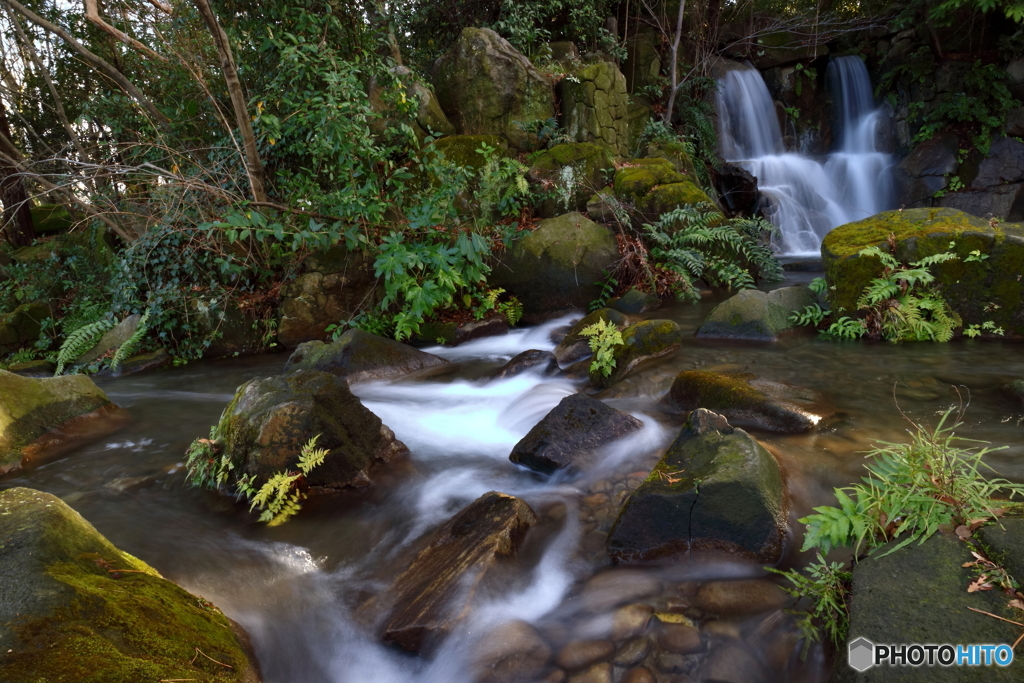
911,490
973,331
603,337
607,292
802,73
207,465
490,301
80,341
280,498
502,185
812,315
128,347
846,328
827,586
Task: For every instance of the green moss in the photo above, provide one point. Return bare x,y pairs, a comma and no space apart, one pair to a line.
461,150
715,391
676,153
50,218
640,341
634,181
665,198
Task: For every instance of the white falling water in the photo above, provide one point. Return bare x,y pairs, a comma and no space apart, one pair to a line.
805,197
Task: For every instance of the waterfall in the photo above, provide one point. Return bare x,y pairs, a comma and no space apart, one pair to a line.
804,197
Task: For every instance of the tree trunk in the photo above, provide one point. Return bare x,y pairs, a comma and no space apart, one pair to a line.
253,166
17,215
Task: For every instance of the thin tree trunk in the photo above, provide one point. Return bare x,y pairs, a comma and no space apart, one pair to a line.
92,13
674,52
227,64
92,59
17,215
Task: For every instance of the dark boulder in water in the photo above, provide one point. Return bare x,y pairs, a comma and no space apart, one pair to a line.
532,360
359,356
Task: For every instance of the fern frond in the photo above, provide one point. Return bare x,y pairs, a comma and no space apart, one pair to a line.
131,343
311,456
80,341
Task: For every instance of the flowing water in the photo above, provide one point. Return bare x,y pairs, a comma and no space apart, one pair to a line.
297,588
807,197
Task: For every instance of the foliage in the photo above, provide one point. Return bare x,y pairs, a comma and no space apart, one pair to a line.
827,586
812,315
603,337
489,301
128,347
697,242
548,131
207,466
502,186
281,496
801,73
80,341
697,118
911,490
607,291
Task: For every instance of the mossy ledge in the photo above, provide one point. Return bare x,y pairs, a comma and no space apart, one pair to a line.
77,609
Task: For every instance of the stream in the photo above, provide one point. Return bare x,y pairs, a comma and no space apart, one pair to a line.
297,588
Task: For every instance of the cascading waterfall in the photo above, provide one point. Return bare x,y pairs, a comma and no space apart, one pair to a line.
804,197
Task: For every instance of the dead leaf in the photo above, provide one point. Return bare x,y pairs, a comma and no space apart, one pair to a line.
970,564
973,524
998,512
963,532
979,585
1016,604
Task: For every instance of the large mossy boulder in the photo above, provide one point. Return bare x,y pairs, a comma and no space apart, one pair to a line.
359,356
485,85
572,172
40,415
641,341
263,429
574,345
716,489
77,609
595,106
568,435
676,154
558,267
748,401
755,315
21,326
657,185
332,285
640,176
918,595
989,289
435,593
665,198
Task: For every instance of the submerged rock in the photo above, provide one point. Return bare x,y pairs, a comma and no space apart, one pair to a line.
640,342
570,433
75,608
533,360
756,315
557,267
359,356
746,400
453,333
738,505
1015,391
264,427
43,415
511,653
634,301
435,592
745,596
575,346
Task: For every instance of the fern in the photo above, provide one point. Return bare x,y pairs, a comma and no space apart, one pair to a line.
280,498
80,341
607,290
603,337
311,456
812,315
130,344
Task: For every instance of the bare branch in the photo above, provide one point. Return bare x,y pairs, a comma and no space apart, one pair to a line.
166,9
92,13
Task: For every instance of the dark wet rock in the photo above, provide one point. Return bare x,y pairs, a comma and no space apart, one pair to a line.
111,340
737,189
733,663
679,638
511,653
1015,391
1003,202
533,360
641,341
359,356
453,334
740,505
70,615
634,302
485,85
672,663
21,326
575,168
1003,164
745,596
978,292
38,416
632,652
570,433
575,346
756,315
917,595
748,401
926,169
1006,541
33,368
434,593
630,621
264,427
557,267
151,360
617,586
640,674
579,654
599,673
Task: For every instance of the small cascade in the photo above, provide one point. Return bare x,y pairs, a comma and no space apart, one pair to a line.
805,197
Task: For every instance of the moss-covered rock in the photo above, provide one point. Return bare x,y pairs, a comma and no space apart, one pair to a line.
677,155
38,415
634,302
571,172
461,150
739,504
595,106
665,198
485,85
33,368
359,356
575,346
634,181
639,113
756,315
435,592
568,436
640,342
747,400
453,333
51,218
558,266
21,326
78,610
268,421
977,291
